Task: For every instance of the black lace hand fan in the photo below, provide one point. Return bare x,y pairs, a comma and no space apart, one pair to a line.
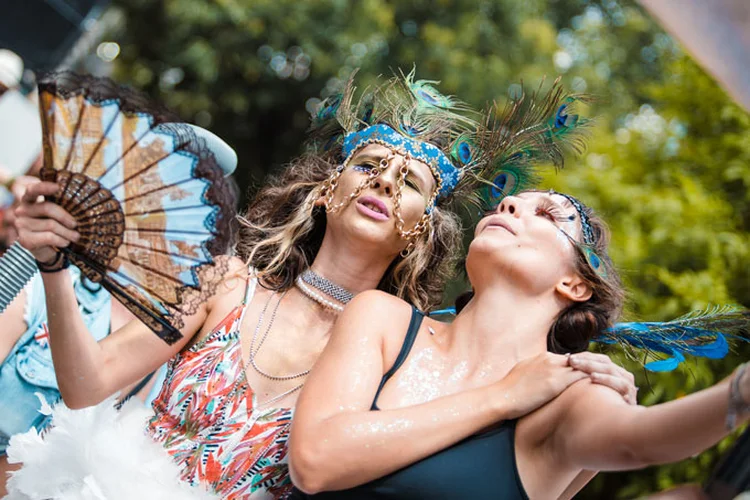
151,202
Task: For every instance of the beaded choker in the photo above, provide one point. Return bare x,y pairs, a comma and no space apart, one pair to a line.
309,280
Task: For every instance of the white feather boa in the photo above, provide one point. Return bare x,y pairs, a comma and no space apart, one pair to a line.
97,453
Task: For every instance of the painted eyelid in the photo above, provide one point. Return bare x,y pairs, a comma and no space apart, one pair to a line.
545,210
549,207
549,213
413,184
363,166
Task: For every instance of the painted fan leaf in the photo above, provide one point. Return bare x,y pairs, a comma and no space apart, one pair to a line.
150,200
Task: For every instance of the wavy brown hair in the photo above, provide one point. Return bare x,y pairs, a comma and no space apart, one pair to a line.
281,233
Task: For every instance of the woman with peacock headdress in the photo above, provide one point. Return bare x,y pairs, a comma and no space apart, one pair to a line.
371,205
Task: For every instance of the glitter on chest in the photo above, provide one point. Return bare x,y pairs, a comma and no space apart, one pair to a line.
427,376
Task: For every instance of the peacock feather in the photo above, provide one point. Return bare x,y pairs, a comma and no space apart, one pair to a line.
531,129
705,333
413,107
427,96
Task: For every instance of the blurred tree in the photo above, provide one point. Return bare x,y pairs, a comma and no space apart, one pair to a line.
668,159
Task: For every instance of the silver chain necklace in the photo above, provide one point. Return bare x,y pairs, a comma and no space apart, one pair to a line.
315,280
254,350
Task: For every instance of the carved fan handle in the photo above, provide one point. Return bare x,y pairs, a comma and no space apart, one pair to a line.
99,217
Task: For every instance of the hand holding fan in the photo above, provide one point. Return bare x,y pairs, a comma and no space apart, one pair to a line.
148,195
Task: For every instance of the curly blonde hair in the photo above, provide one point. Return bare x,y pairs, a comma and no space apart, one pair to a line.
281,233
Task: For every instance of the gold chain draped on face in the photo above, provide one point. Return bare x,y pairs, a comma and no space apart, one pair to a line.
328,188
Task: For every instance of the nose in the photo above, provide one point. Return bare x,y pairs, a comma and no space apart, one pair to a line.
511,206
388,178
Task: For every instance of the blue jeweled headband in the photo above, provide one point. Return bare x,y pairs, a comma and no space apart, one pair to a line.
446,174
586,229
592,257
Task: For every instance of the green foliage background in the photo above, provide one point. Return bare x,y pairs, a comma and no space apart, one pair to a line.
668,161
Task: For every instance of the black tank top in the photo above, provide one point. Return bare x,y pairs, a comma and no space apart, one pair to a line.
482,466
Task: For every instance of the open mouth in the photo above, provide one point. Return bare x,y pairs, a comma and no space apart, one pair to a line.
372,207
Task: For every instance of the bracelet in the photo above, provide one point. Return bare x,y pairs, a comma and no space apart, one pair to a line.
737,405
58,264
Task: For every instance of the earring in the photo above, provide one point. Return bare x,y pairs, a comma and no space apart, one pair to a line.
407,251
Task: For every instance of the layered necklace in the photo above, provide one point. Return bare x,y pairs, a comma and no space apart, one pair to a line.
310,278
310,284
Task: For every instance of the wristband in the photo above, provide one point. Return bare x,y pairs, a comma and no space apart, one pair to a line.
737,405
59,263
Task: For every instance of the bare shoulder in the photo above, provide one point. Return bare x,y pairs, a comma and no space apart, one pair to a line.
378,305
583,399
236,271
384,316
232,267
585,392
230,282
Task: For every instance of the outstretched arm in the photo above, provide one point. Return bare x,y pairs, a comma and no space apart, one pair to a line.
597,431
89,371
338,443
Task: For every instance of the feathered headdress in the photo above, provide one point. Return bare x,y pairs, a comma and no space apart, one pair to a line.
531,129
476,156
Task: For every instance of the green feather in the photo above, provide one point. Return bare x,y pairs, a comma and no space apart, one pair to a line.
522,135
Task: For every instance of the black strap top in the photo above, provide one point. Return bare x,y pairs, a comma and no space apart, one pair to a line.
411,335
482,466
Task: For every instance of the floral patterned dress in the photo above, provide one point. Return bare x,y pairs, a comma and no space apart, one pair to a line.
206,418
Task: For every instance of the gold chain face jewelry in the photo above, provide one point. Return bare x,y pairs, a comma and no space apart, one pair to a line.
329,186
371,176
420,226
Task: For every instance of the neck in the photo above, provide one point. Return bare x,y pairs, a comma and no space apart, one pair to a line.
500,327
356,267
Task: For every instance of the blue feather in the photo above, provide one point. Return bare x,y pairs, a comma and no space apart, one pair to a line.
665,365
701,334
441,312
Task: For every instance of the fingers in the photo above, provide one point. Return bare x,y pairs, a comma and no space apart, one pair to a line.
35,241
41,224
556,359
599,364
618,384
46,210
21,183
591,362
34,191
47,226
